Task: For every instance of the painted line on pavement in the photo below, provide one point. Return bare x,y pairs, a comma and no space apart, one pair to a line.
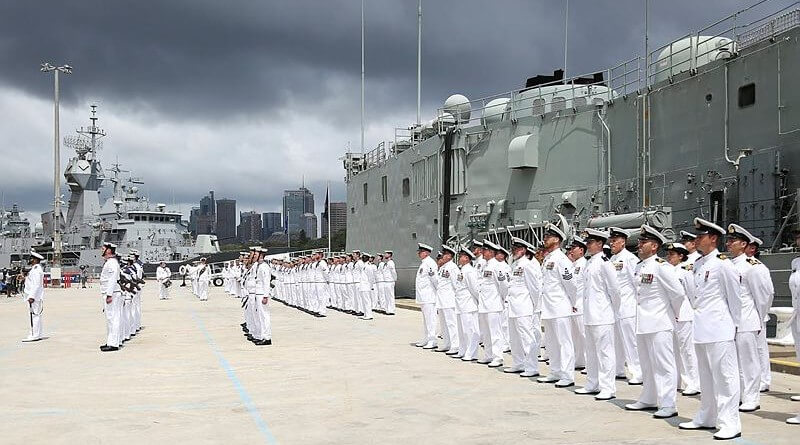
247,401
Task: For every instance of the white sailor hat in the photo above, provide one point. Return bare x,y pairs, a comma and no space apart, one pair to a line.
687,236
578,241
423,246
519,242
464,251
448,249
554,230
110,245
617,231
36,255
490,245
757,241
134,252
737,231
242,253
131,257
707,227
678,247
503,250
477,243
597,234
356,251
650,233
389,252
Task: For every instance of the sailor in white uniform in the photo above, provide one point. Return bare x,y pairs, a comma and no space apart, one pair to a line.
689,241
763,347
425,294
524,289
112,297
137,296
390,275
756,293
263,336
203,279
659,295
534,268
599,284
624,263
492,290
685,357
446,302
716,316
576,252
34,296
466,285
794,321
558,306
163,275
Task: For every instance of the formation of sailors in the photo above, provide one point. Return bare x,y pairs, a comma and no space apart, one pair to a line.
357,283
251,278
199,273
121,282
695,320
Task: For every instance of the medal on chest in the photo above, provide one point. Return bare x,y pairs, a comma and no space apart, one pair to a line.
647,278
550,265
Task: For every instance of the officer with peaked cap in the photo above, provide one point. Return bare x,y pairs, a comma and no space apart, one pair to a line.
425,290
263,285
502,255
524,288
689,241
480,261
558,305
112,297
34,296
491,294
659,295
624,263
716,316
576,252
685,357
446,302
203,279
763,347
755,298
390,275
466,287
537,338
599,284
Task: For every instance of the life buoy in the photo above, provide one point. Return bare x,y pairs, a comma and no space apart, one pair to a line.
183,270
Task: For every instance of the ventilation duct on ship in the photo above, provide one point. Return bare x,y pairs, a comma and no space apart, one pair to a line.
523,151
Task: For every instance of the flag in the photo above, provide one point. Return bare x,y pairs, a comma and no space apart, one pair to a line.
325,211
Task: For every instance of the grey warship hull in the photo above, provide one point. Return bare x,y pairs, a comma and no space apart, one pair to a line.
706,126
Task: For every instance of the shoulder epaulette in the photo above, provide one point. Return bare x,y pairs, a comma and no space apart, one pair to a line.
660,260
722,256
753,261
688,267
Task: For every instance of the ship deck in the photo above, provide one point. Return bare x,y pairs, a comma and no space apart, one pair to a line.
190,377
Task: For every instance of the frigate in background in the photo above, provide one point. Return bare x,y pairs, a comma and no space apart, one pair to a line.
125,217
705,126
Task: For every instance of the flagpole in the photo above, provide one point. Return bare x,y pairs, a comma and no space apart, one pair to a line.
328,213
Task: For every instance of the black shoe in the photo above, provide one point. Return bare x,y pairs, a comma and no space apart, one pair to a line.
262,342
106,348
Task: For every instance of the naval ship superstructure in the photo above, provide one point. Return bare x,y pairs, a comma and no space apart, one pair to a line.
125,218
707,125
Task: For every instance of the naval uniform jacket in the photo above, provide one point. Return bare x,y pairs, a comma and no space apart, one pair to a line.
578,267
390,272
109,278
659,295
524,288
716,299
263,275
466,285
558,286
492,287
33,283
685,273
624,264
445,290
425,282
756,292
599,283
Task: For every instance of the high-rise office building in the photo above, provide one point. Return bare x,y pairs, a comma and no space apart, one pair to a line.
297,203
194,214
207,218
338,216
249,226
273,222
309,223
226,221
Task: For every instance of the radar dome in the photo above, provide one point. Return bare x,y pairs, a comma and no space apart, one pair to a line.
458,105
495,110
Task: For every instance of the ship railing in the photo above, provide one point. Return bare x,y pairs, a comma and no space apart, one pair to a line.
530,232
690,51
573,93
375,157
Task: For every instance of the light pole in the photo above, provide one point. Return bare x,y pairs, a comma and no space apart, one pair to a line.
56,265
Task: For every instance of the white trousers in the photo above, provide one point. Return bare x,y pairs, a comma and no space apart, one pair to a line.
469,336
35,311
490,324
685,357
719,382
388,296
600,358
749,366
254,325
579,340
796,334
560,348
449,326
265,321
113,319
659,374
366,303
532,356
763,353
125,319
428,322
504,327
202,290
626,353
323,298
163,292
137,310
520,336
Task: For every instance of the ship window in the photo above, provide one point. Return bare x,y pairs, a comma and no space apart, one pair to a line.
384,188
747,95
365,193
538,106
406,187
458,174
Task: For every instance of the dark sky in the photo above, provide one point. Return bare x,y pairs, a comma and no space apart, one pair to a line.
247,97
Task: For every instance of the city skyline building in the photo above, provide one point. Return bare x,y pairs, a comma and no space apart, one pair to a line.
249,226
309,224
226,221
297,203
207,217
338,216
273,222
